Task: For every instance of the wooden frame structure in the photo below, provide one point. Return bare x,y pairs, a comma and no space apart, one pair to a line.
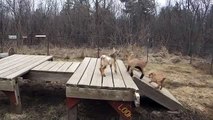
87,83
13,67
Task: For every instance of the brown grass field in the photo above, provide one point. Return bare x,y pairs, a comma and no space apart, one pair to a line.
192,85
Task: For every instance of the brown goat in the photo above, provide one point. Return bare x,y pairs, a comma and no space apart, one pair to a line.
135,63
158,78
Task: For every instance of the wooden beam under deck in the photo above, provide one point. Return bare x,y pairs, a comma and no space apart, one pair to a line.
7,85
59,77
100,93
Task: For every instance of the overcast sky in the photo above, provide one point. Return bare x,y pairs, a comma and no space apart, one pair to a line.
161,2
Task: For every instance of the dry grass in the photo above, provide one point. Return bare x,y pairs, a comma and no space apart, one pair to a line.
191,86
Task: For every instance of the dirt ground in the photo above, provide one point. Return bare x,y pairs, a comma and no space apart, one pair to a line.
191,84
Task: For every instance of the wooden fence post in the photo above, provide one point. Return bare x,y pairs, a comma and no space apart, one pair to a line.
211,69
48,46
2,44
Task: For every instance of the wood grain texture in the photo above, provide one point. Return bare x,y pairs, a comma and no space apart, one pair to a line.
73,67
87,76
25,68
79,72
48,66
65,66
100,94
41,65
118,80
126,77
107,80
57,66
13,62
7,85
96,79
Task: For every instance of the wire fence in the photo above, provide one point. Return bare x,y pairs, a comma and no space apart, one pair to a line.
99,42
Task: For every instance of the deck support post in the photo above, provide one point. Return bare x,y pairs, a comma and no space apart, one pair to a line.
72,108
15,99
124,109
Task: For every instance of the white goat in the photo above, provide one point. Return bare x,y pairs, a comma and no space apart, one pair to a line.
108,60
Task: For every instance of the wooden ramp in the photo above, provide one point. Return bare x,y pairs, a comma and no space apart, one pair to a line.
163,97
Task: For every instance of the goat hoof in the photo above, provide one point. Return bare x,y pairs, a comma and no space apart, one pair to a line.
156,87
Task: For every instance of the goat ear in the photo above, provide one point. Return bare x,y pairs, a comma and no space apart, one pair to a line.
114,50
118,51
150,74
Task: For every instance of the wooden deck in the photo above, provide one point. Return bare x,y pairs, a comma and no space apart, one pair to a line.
13,67
87,82
17,65
53,71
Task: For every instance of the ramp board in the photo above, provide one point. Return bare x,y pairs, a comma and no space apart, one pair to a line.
163,96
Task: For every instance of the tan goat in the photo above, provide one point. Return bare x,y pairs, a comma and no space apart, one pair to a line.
157,77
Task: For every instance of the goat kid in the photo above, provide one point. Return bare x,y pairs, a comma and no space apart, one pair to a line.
108,60
158,78
135,63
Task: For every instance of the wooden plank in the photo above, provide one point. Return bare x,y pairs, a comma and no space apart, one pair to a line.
41,65
14,65
107,80
3,55
65,67
15,98
100,94
7,85
48,66
57,66
118,80
9,58
13,62
73,67
86,78
48,76
16,107
126,77
79,72
28,67
97,79
163,96
20,66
